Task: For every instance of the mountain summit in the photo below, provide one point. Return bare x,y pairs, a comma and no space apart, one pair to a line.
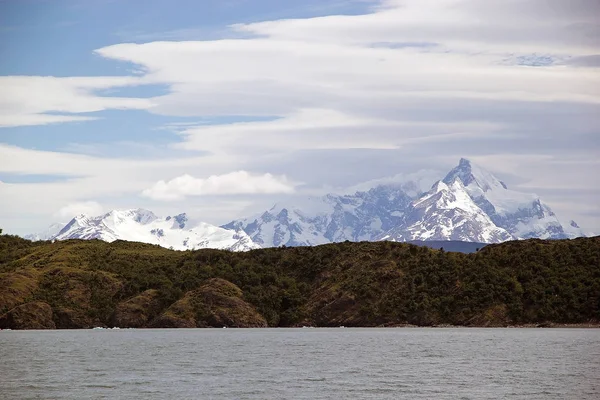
469,204
523,215
447,212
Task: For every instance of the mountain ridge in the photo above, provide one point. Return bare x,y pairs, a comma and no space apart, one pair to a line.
492,213
142,225
469,204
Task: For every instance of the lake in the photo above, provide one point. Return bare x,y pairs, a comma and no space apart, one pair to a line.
387,363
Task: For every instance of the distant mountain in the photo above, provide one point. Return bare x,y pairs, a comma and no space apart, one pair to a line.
447,212
470,204
48,233
523,215
141,225
331,218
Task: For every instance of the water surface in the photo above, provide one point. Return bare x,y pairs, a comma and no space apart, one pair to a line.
338,363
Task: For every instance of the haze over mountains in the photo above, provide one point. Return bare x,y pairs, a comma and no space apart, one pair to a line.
469,204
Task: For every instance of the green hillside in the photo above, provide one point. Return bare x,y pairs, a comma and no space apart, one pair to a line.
81,284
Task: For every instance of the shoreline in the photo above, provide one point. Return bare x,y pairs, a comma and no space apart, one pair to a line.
398,326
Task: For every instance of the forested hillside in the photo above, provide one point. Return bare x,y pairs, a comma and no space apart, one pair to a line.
81,284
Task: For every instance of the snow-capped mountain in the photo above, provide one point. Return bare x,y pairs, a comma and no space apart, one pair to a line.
141,225
521,214
331,218
48,233
447,212
469,204
573,230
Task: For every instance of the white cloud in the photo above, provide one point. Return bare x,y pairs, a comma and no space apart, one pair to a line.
90,208
42,100
467,25
416,84
239,182
348,82
27,207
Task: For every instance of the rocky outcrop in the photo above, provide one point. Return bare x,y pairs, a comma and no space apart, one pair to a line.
180,314
217,303
224,306
68,318
137,311
34,315
16,288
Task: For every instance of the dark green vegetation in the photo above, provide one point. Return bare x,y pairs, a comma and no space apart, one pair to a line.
451,245
79,284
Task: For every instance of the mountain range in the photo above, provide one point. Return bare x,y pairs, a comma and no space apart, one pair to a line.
469,205
139,225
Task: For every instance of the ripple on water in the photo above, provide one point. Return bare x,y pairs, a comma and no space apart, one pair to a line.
302,364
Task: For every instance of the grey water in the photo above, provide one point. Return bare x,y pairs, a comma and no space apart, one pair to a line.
389,363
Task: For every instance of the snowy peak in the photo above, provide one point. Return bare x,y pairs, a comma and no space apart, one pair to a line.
77,222
180,221
469,204
139,215
523,215
447,212
474,176
141,225
444,196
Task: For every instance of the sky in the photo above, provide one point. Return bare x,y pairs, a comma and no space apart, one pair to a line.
219,108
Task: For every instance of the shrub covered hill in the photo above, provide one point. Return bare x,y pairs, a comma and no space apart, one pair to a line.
81,284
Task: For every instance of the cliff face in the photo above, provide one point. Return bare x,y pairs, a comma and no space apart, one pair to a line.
34,315
83,284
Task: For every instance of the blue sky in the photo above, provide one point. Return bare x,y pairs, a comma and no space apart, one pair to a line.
102,100
57,38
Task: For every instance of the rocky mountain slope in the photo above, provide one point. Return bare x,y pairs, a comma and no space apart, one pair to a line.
327,219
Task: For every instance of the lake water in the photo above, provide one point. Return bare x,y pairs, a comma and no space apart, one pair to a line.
391,363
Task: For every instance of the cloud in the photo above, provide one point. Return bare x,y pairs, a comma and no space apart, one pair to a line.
465,25
240,182
359,81
341,99
90,208
591,61
43,100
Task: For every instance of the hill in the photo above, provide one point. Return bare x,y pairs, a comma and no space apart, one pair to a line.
86,283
